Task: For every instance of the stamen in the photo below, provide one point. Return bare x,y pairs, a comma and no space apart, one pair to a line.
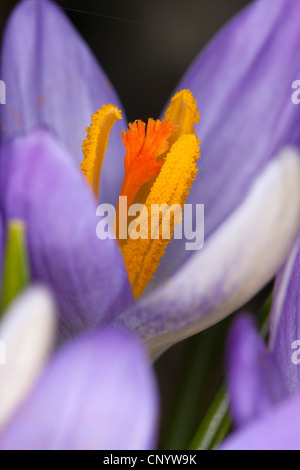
142,256
183,112
95,144
152,175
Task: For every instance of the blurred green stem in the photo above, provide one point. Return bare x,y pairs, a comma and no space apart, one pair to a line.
215,424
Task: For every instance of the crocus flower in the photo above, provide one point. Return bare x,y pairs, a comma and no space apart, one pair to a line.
264,413
242,89
263,380
97,392
285,321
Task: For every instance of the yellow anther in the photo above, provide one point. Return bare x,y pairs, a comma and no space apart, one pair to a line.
95,144
183,112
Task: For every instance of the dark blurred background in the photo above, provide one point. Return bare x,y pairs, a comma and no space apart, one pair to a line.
144,46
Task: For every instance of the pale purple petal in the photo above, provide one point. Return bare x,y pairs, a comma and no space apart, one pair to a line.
254,381
40,185
242,82
52,78
285,324
97,393
240,258
279,429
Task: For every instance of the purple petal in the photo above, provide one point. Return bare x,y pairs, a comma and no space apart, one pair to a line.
279,429
285,325
97,393
52,78
253,377
40,185
242,82
240,258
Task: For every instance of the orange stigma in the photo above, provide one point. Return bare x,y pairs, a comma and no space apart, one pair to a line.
143,148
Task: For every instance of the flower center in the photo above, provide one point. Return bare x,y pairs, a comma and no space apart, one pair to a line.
160,167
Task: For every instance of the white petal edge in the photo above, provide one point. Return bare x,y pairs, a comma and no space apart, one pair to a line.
240,258
27,334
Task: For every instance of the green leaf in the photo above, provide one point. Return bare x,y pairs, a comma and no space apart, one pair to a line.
264,318
15,273
215,424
